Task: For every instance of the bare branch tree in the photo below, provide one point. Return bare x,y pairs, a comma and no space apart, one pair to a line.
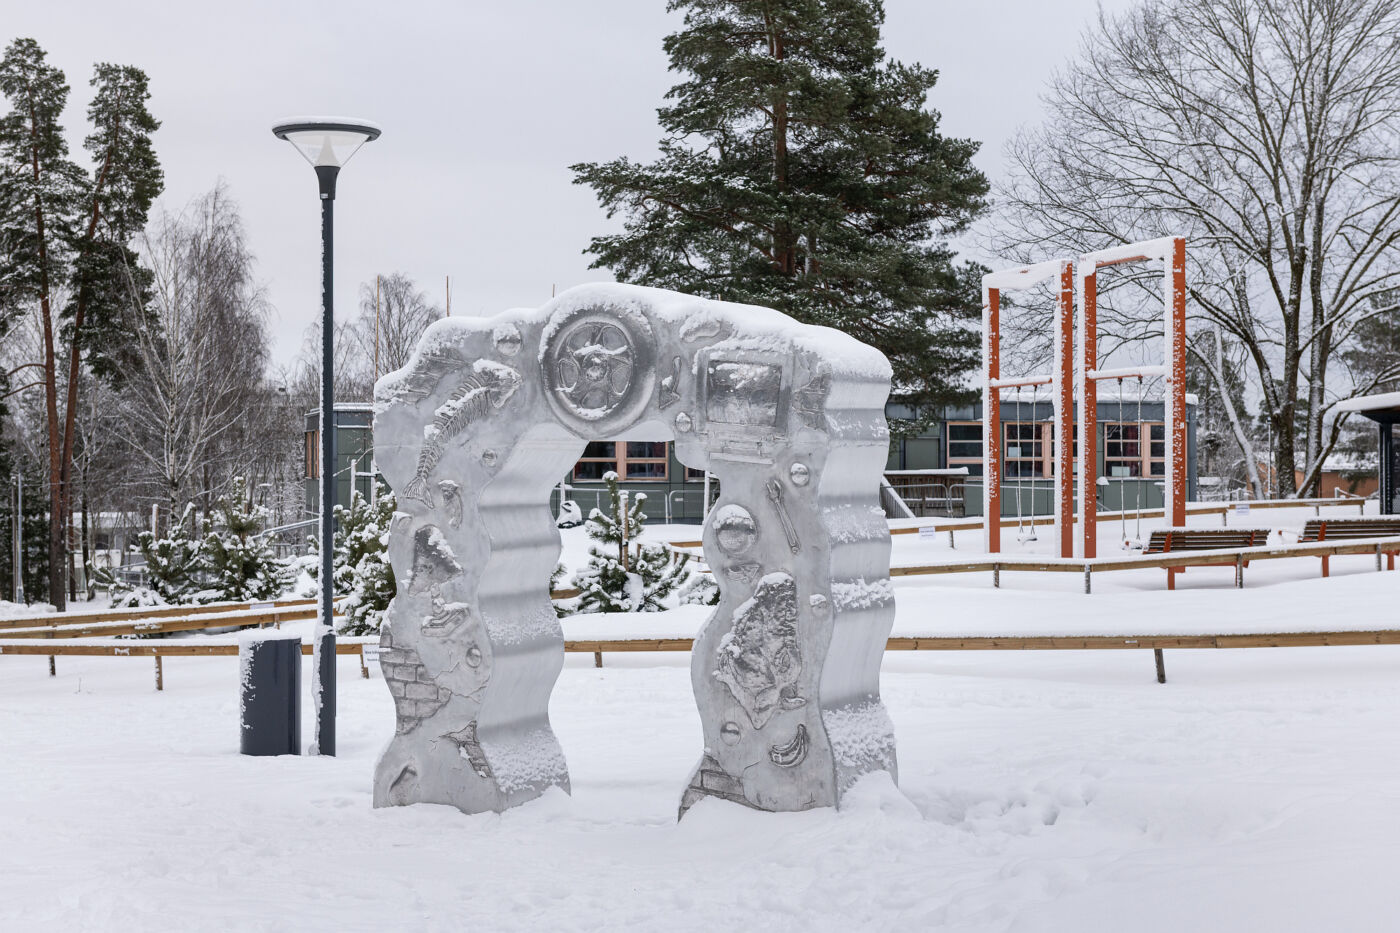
394,315
195,375
1266,132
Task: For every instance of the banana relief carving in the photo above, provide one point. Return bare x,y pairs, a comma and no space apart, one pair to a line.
793,753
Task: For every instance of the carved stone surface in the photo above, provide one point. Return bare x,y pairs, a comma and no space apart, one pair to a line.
491,412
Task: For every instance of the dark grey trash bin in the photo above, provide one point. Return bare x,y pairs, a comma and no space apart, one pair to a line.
270,665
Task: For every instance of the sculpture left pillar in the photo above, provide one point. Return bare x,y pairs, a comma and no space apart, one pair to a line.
471,647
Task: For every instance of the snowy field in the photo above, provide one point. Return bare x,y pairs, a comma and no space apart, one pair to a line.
1065,790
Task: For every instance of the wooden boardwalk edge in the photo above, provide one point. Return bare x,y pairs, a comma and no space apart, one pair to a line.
898,643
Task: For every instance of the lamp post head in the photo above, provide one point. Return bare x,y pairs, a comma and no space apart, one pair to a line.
327,143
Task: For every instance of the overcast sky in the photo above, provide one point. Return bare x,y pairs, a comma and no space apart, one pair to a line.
483,105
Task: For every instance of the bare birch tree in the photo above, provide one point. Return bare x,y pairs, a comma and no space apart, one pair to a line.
1268,133
196,373
394,312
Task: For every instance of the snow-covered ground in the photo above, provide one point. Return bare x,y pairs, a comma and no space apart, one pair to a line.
1065,790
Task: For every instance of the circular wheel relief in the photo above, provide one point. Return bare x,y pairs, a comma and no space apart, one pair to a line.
599,368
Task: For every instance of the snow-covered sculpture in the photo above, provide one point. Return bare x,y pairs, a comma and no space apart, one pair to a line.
483,422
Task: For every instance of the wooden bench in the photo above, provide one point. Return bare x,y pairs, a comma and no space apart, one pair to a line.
1167,540
1337,529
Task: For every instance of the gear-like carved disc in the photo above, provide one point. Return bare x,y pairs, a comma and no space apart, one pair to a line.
599,367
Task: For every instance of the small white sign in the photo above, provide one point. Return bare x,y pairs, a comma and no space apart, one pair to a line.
1241,508
927,533
371,655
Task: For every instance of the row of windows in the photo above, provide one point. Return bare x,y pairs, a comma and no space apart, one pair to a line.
1129,448
1029,449
630,460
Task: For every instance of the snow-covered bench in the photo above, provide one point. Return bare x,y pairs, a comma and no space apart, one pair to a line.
1337,529
1168,540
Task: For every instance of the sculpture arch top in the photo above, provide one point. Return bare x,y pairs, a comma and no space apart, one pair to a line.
475,431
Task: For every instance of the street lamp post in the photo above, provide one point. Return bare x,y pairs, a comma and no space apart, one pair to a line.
327,143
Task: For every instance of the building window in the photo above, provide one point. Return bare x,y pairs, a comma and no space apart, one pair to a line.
646,461
693,475
1122,450
965,446
1027,449
313,454
1125,454
1157,454
599,457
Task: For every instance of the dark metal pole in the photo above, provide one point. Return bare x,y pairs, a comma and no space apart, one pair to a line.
323,663
1385,468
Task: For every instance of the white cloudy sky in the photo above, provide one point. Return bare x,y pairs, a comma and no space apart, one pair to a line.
483,103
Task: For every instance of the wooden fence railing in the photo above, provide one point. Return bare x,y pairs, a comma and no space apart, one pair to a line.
1174,560
597,647
145,612
1223,509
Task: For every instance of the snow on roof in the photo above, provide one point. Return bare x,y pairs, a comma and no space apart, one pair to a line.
345,406
947,471
1370,402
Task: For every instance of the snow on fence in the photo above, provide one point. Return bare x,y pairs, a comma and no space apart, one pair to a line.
1223,509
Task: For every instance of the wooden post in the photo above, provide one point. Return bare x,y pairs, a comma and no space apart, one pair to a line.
1088,587
991,419
1176,387
53,670
996,576
1064,412
364,668
1239,571
1088,410
160,674
1161,665
622,521
597,659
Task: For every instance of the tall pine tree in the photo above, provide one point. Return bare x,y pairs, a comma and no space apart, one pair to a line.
802,170
65,230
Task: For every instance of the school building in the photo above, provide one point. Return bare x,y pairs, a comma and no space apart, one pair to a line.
937,472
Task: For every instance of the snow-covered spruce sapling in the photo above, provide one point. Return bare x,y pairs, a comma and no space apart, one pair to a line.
622,575
561,607
362,571
172,563
238,563
702,590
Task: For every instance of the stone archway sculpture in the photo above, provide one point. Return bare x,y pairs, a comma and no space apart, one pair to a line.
478,428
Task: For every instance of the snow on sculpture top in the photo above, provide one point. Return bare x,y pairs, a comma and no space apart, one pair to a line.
482,423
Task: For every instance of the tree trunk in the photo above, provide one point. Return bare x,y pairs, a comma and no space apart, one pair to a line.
784,258
56,589
1217,368
87,543
72,556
